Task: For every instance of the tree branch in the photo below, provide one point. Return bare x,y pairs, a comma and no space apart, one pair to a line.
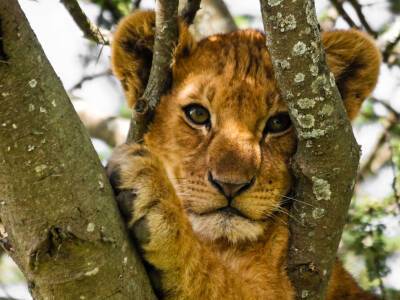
213,18
338,4
368,166
357,7
389,48
165,42
89,29
390,121
189,11
62,225
326,161
79,84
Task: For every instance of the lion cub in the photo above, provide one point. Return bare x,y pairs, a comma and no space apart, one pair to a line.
205,194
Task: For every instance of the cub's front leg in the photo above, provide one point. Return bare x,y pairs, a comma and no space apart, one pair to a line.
145,196
160,227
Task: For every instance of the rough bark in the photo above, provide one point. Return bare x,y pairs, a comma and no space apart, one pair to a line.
165,42
62,225
326,161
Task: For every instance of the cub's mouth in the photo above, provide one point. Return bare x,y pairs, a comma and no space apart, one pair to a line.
226,224
229,211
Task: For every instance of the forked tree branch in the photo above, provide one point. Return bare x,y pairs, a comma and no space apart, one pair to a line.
165,42
357,7
338,4
326,161
89,29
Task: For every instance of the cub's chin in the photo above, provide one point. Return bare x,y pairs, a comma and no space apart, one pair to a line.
223,225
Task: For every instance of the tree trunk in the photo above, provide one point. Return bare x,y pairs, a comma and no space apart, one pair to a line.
327,155
62,224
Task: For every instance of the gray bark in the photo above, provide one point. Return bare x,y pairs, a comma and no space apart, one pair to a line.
326,161
165,42
62,224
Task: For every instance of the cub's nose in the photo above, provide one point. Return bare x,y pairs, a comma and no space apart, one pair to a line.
229,189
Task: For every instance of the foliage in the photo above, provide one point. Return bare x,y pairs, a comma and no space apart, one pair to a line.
368,238
122,5
394,6
365,234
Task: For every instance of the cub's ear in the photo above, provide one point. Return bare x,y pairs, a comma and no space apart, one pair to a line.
132,51
354,60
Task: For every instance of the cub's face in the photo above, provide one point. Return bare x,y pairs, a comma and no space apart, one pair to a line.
222,131
226,139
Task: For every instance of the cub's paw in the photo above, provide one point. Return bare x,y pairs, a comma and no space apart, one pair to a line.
141,187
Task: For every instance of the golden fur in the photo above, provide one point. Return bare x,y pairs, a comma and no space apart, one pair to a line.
200,250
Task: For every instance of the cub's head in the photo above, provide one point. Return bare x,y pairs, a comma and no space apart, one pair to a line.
223,131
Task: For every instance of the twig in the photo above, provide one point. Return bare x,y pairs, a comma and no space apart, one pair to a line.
389,48
189,11
391,110
160,74
338,4
89,29
366,167
357,7
79,84
390,121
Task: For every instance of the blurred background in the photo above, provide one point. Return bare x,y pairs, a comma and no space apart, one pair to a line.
370,246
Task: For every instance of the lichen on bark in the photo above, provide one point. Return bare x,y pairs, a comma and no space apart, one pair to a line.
326,160
62,224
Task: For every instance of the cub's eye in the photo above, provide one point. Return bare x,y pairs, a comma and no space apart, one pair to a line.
197,114
278,123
